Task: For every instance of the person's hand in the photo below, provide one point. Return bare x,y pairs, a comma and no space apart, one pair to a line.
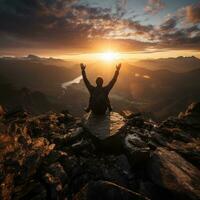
83,66
118,66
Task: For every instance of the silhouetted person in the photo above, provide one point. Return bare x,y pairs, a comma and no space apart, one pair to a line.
99,101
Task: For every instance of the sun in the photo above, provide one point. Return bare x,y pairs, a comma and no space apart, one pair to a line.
109,56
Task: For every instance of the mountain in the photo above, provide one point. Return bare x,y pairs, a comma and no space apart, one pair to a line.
54,156
160,92
14,99
38,59
179,64
45,75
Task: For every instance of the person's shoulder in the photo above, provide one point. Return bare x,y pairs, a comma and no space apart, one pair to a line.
105,88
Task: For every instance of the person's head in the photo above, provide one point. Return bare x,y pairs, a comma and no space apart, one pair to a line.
99,82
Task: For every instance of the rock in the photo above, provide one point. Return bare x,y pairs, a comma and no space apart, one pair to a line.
58,139
30,166
137,121
121,162
137,150
99,190
170,122
54,186
190,151
178,134
31,190
193,109
127,114
7,187
170,171
191,116
105,126
64,118
53,157
16,112
80,146
150,190
2,112
69,164
158,139
57,170
106,129
111,168
73,135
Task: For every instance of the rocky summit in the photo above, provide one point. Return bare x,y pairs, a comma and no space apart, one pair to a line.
123,156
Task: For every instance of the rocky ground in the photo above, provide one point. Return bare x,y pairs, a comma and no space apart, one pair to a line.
55,156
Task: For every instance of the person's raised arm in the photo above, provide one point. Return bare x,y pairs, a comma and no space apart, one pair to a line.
114,79
86,81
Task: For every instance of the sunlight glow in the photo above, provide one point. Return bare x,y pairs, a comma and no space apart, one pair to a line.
109,56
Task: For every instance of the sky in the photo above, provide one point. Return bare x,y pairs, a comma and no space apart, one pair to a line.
78,28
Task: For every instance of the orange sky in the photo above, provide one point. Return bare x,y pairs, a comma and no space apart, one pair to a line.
84,29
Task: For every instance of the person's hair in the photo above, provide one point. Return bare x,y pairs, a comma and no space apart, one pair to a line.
99,81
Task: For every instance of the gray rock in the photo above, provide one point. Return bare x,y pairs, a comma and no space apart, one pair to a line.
73,135
137,150
191,116
57,170
190,151
53,157
7,187
108,191
170,171
54,186
106,129
31,190
104,126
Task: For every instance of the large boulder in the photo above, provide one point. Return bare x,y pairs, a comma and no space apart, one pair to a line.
189,151
170,171
192,115
136,149
105,129
106,190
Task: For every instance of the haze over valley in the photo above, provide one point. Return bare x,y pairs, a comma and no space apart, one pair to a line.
160,87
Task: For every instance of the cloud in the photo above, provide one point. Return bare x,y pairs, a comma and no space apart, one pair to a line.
49,22
193,13
121,7
154,6
72,26
169,24
62,24
169,35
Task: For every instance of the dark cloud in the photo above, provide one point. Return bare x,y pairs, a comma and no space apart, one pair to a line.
60,24
121,6
193,13
169,24
154,6
56,22
67,24
169,36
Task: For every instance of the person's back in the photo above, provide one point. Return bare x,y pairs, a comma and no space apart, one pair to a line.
99,100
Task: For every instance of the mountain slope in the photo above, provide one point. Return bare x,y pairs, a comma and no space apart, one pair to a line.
36,75
179,64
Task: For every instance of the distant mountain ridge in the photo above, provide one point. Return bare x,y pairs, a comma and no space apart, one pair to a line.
178,64
38,59
161,91
14,99
43,74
